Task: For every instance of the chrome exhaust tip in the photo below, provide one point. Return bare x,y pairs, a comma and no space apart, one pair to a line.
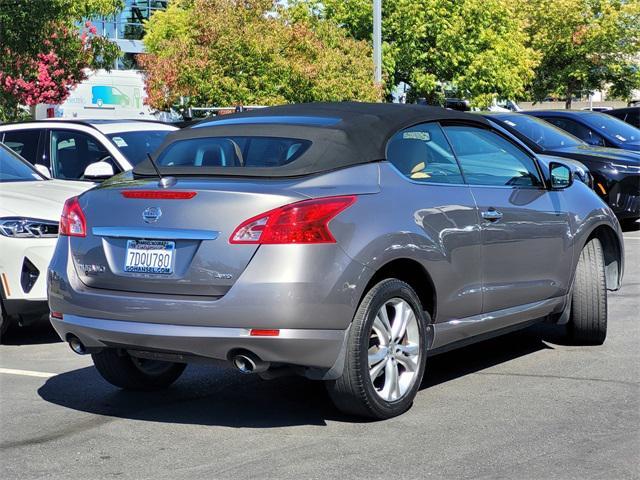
244,364
77,346
249,363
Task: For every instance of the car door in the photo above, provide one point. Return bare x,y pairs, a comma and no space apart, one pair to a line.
446,238
526,236
72,151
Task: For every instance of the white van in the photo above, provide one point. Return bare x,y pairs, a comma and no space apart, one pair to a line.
118,94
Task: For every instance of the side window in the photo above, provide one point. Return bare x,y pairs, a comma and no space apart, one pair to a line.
24,143
577,129
487,158
423,154
72,152
265,152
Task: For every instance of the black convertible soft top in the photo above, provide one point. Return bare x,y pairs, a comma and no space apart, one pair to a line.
341,134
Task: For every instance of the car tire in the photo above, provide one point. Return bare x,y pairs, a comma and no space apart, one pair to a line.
132,373
588,318
377,347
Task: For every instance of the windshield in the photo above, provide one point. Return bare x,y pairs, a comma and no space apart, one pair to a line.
14,169
135,145
253,152
614,127
548,136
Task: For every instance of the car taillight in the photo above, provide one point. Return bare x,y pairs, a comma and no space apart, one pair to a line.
301,222
159,194
72,221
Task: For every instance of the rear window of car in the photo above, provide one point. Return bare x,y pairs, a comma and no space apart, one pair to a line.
233,152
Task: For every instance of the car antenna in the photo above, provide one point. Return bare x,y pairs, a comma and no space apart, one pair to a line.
164,181
153,164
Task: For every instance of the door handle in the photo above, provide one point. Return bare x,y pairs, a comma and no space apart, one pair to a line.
492,215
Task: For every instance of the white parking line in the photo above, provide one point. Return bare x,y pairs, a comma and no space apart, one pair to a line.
27,373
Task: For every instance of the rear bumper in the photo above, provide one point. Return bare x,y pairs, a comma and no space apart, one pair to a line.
283,287
308,294
319,349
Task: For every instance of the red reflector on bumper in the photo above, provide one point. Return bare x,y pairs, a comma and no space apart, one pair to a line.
264,333
57,315
159,194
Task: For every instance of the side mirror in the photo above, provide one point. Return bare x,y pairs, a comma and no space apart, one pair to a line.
43,170
561,176
99,169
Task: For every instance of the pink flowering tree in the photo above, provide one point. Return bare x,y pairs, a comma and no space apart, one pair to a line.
45,50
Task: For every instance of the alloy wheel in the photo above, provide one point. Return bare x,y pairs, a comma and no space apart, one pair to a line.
394,350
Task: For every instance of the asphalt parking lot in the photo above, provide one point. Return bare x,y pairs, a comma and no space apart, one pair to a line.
520,406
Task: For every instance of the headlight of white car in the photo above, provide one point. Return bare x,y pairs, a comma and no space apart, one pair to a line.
19,227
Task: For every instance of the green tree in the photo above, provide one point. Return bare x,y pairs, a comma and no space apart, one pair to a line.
229,52
585,45
475,46
45,49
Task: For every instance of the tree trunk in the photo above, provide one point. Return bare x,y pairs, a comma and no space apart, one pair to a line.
567,102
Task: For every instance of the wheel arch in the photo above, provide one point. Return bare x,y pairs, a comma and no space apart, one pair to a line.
414,274
612,250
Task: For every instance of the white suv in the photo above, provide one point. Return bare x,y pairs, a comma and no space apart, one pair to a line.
30,208
89,150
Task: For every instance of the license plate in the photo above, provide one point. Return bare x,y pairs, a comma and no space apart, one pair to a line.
150,256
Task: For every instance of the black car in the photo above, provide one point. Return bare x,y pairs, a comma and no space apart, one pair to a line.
616,172
631,115
595,128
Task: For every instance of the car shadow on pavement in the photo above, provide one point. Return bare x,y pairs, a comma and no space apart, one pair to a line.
36,334
204,395
480,356
210,395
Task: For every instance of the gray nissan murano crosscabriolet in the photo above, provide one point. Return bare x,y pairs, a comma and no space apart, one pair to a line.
344,242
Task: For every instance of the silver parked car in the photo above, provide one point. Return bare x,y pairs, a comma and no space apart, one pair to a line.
343,242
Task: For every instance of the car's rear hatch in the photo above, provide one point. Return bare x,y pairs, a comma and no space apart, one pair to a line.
190,234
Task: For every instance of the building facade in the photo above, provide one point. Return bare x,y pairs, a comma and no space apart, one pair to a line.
126,29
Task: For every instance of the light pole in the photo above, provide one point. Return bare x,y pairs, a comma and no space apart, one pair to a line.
377,41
